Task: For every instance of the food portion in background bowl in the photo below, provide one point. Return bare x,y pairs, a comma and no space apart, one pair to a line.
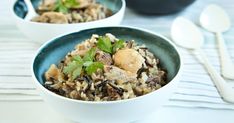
105,68
71,11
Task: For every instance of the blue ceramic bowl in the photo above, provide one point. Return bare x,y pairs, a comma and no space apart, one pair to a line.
131,109
42,32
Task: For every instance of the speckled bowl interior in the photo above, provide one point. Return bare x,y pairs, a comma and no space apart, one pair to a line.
20,8
54,51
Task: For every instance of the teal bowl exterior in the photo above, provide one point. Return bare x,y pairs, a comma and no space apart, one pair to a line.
131,109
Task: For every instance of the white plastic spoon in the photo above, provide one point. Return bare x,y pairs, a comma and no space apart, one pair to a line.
31,11
215,19
187,35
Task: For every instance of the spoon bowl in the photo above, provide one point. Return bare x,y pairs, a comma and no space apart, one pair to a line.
215,19
187,35
183,31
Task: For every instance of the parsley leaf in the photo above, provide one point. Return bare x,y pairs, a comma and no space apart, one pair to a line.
70,67
93,67
87,63
117,45
71,3
104,44
77,72
59,7
73,68
64,5
89,56
78,59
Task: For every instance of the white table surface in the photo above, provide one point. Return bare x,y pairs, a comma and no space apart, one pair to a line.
39,112
21,109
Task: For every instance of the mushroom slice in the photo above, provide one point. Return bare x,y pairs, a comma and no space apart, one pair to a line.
54,72
84,3
52,17
103,57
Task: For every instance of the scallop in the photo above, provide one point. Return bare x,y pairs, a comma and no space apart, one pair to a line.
128,59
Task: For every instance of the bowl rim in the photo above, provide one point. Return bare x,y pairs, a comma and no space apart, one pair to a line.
39,85
121,10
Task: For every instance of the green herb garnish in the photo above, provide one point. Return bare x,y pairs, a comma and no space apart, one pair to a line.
89,56
76,72
105,45
93,67
64,5
88,63
117,45
70,67
59,7
75,67
78,59
71,3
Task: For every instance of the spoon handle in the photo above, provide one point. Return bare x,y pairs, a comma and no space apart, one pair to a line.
227,67
31,11
225,91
